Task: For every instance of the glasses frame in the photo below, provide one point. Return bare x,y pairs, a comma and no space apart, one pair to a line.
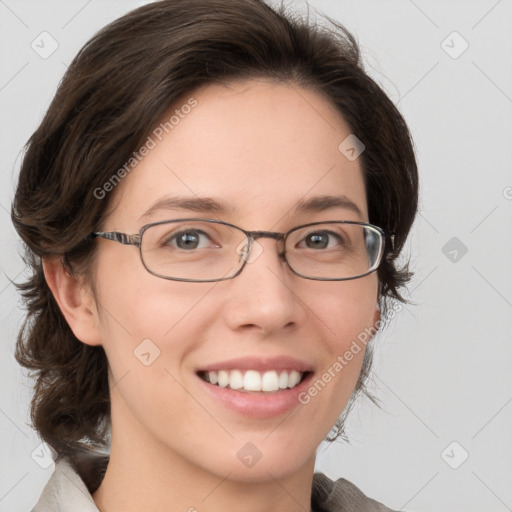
136,240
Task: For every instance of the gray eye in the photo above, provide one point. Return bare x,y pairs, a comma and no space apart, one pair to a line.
321,239
188,239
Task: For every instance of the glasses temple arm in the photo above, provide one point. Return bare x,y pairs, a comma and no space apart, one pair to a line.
115,236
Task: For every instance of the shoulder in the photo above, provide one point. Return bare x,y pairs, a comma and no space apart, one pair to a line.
341,495
65,491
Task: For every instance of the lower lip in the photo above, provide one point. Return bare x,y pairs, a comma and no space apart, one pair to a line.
258,405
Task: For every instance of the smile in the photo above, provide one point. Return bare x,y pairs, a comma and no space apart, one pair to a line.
253,380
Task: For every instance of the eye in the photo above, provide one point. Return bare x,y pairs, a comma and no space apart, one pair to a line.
189,240
322,240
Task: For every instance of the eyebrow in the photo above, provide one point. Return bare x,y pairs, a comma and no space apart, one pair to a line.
322,203
194,204
210,205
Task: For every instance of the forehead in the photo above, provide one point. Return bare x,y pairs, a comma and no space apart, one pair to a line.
259,148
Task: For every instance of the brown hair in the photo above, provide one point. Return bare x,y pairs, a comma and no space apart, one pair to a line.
116,90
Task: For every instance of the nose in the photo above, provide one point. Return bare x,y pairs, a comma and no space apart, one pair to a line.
262,296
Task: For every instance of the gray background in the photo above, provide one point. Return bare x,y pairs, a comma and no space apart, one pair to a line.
443,366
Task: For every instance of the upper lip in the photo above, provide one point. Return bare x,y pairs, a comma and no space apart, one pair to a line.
259,364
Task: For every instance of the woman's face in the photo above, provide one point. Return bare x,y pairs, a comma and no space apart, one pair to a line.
260,150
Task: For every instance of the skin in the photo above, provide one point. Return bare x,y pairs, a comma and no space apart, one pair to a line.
260,147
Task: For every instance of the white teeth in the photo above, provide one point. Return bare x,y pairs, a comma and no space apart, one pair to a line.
252,380
236,380
270,381
223,378
293,379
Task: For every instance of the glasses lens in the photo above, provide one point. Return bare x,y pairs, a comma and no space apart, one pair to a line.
193,250
334,250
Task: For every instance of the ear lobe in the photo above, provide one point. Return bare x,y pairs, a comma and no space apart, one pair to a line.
75,301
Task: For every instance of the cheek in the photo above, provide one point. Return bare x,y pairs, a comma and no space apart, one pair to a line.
149,325
346,310
347,319
139,304
141,314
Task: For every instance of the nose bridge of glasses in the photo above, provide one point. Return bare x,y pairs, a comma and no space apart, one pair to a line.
279,237
265,234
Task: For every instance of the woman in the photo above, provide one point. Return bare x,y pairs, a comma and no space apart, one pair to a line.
213,209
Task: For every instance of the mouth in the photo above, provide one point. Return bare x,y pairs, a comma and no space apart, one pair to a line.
253,381
257,387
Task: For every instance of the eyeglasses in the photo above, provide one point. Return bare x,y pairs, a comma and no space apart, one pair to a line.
206,250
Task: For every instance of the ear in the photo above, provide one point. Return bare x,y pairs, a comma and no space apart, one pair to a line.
75,300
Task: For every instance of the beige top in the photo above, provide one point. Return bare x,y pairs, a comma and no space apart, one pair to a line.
66,492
